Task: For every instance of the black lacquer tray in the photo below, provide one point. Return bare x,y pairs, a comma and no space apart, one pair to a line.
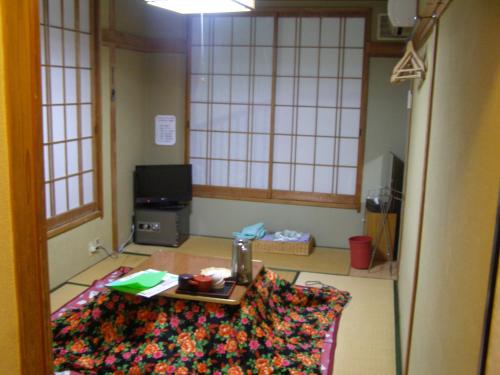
216,293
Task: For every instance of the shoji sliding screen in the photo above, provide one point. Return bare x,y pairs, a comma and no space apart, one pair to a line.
276,107
69,75
231,92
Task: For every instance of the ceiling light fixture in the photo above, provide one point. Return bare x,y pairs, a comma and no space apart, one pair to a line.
204,6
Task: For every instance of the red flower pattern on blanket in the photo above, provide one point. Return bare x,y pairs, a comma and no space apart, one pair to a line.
277,329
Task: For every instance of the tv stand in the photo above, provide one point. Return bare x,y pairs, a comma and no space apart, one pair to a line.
161,225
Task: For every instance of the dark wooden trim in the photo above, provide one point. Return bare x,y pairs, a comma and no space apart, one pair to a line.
427,19
72,219
278,196
112,119
187,91
363,113
220,192
139,43
96,104
310,12
281,11
270,174
315,199
406,364
78,108
385,49
490,297
21,59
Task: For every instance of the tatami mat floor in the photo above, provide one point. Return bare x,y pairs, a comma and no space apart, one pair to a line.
64,294
366,337
104,267
366,340
322,259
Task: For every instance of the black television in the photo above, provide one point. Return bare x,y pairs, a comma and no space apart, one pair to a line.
162,185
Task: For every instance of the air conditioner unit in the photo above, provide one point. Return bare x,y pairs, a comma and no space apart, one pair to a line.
386,31
402,13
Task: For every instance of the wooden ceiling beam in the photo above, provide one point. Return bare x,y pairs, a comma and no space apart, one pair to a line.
429,13
385,49
139,43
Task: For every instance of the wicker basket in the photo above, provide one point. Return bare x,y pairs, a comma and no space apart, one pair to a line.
284,247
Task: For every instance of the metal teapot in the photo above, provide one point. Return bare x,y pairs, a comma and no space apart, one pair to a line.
241,261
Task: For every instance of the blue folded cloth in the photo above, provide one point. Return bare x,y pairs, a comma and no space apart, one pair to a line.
251,232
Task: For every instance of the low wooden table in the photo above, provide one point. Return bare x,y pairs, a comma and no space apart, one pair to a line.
179,263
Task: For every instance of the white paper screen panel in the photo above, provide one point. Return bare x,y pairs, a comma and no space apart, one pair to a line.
88,187
84,12
319,73
316,105
69,14
70,85
60,190
231,89
66,40
237,174
73,192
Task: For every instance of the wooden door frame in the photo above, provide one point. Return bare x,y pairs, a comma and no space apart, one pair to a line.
22,89
485,353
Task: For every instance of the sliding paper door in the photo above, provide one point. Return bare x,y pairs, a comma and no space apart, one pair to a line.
276,107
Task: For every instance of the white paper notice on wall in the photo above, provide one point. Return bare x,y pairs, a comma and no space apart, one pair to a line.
165,130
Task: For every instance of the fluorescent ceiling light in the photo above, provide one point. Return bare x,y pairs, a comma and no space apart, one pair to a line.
204,6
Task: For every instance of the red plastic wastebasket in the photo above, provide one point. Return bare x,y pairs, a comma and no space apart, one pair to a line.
361,251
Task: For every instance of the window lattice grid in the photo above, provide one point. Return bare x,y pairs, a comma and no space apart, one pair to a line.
231,78
66,39
316,71
318,104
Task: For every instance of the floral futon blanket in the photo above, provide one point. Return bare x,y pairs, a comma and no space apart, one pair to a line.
278,328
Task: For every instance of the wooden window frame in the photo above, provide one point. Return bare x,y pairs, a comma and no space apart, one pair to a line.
270,195
85,212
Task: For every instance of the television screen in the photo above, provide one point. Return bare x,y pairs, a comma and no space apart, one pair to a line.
167,184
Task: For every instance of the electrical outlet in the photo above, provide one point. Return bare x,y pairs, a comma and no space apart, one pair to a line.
94,246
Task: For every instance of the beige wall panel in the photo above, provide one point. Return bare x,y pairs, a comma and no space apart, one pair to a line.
137,17
387,122
410,223
165,79
461,192
146,85
68,252
330,227
492,363
131,98
9,333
